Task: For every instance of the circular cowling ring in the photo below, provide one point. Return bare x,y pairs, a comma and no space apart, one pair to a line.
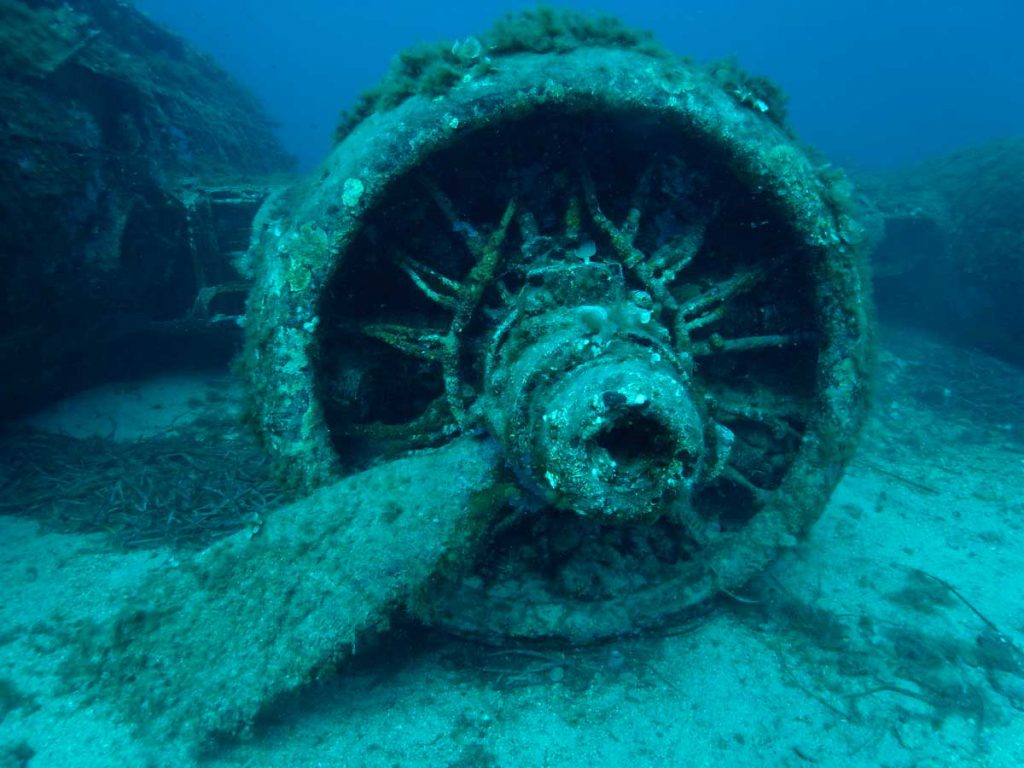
388,284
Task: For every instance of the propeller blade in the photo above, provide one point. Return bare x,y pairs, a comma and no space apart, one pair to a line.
200,649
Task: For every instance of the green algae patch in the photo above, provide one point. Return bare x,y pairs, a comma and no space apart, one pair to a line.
433,69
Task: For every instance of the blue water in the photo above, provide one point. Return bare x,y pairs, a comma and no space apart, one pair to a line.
874,84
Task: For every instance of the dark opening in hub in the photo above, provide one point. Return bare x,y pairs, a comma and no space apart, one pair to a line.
634,438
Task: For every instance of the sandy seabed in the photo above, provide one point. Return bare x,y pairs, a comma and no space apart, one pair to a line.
890,637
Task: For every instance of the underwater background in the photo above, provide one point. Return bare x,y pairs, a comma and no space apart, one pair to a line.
876,83
301,338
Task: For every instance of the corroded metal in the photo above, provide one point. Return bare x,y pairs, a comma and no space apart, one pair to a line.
566,337
596,411
627,274
130,168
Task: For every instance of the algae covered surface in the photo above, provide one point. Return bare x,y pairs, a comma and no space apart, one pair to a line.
619,268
